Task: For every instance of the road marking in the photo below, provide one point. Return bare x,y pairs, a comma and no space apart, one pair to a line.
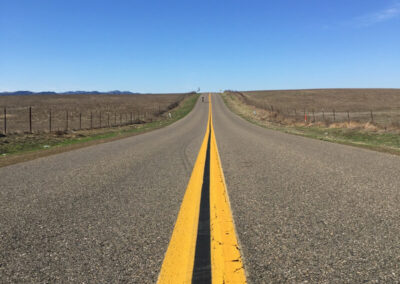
178,262
226,262
202,258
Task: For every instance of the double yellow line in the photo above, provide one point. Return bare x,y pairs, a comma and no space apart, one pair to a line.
226,261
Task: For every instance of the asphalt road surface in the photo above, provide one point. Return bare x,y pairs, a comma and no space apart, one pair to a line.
305,210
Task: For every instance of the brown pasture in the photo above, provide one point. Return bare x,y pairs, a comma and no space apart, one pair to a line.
381,106
72,112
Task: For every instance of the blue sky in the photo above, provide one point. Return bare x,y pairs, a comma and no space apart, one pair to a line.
177,46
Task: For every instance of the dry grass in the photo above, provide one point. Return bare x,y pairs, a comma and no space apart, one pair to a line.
113,109
366,135
328,99
378,107
15,148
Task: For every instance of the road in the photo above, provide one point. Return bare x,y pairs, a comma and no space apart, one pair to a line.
305,210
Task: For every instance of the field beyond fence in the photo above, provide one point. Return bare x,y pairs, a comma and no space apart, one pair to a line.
53,113
376,107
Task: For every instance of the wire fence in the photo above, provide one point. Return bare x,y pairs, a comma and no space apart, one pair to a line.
36,119
384,118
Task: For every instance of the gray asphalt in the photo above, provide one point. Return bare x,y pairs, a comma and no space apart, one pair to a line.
102,214
307,210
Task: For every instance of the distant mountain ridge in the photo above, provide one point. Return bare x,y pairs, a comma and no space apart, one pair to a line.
28,93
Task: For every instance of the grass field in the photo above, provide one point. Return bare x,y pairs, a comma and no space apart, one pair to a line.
378,106
83,111
21,147
367,135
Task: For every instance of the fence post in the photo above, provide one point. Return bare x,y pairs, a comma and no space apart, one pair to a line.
295,114
131,118
50,121
115,118
30,119
91,120
323,115
348,117
100,118
372,117
334,115
80,121
66,125
108,119
120,119
5,120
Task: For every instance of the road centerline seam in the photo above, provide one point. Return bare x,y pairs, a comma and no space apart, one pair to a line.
203,246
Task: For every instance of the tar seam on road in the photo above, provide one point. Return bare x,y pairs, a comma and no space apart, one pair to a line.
202,260
204,247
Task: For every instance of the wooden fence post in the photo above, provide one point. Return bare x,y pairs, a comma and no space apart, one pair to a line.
115,118
372,117
91,120
100,118
66,125
108,119
295,114
50,121
131,117
30,119
334,115
348,117
80,121
5,120
313,115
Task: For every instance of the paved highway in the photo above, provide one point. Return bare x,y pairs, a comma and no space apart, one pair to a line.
305,210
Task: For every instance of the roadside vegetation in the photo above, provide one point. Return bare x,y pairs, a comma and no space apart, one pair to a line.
366,134
20,147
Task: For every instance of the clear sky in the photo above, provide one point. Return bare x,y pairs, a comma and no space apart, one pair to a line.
177,46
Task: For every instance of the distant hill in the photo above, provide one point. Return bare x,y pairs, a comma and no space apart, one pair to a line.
28,93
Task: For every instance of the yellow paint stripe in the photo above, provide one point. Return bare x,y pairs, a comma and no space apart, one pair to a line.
178,262
226,261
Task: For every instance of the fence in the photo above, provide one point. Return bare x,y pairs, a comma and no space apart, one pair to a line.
31,119
383,117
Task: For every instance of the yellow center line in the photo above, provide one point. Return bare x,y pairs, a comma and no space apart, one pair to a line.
226,261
